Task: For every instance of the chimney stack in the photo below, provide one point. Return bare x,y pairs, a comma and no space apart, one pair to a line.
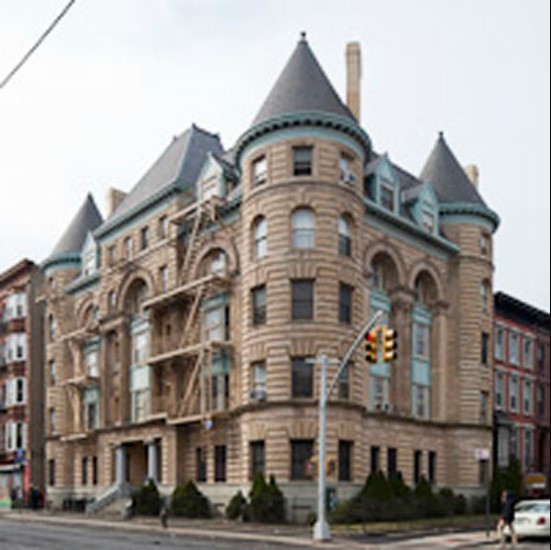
353,77
473,174
114,198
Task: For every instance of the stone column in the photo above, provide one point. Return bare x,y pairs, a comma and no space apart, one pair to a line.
439,367
400,386
152,460
120,464
125,361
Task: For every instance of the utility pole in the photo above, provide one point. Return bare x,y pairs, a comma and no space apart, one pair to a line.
321,527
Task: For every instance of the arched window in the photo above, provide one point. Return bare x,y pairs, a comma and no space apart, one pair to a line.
345,241
303,228
260,238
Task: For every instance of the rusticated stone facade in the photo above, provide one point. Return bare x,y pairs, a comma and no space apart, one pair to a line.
185,328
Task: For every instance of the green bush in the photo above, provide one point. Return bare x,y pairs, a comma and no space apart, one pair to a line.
189,502
147,501
267,501
236,506
425,501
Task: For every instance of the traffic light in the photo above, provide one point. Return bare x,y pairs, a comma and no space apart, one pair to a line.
390,344
371,347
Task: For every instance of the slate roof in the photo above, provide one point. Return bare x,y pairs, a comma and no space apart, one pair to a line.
179,164
448,178
302,86
86,219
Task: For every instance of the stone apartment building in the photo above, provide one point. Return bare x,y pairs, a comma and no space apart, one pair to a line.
522,385
21,383
182,331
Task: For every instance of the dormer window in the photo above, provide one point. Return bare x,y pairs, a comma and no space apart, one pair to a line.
259,170
429,221
387,197
89,261
302,161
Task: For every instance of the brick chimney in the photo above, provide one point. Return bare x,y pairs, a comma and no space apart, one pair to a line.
473,174
114,198
353,77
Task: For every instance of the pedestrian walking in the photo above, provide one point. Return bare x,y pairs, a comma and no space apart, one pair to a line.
506,519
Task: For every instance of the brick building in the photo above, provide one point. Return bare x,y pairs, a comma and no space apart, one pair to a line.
21,394
182,328
522,372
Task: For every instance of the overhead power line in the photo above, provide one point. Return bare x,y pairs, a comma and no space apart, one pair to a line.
25,58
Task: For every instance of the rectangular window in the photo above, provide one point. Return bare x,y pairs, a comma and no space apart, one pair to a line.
374,459
94,470
421,342
128,249
528,450
345,460
344,383
484,245
540,352
528,353
51,420
259,380
258,458
540,401
20,435
144,237
345,303
387,197
514,348
20,391
51,472
91,413
259,170
302,296
432,467
429,221
484,347
85,470
484,407
302,377
513,394
391,462
417,460
499,343
483,467
163,278
527,397
220,463
201,465
111,255
345,170
163,227
302,161
302,451
500,391
421,404
258,298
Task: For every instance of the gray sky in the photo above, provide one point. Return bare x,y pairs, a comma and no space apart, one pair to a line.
103,96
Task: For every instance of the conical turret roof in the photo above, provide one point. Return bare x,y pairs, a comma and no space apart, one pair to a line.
86,219
302,87
447,176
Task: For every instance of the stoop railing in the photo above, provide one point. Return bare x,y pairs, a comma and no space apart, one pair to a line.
111,495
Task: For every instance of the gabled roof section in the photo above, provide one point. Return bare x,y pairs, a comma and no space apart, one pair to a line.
448,178
86,220
177,167
302,86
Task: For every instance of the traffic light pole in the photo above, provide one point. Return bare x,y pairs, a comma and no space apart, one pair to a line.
321,527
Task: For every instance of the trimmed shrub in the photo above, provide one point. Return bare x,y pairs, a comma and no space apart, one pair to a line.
147,501
267,501
236,506
425,501
189,502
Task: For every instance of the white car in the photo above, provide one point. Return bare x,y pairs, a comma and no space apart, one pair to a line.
532,518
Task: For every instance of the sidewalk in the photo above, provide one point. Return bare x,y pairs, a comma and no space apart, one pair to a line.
291,535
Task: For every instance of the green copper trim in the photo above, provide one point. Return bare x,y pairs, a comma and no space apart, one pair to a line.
303,118
83,283
452,210
63,261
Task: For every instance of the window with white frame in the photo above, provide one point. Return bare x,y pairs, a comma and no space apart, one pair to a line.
345,241
514,357
91,360
16,306
513,393
259,170
303,228
500,391
16,436
140,348
213,323
90,261
527,397
16,391
379,392
499,351
259,379
345,170
218,263
528,353
17,347
260,238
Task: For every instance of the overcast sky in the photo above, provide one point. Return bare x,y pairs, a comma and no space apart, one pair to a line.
105,93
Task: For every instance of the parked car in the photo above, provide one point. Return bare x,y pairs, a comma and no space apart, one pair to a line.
532,518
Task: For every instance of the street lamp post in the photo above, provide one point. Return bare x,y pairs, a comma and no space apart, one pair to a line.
321,527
